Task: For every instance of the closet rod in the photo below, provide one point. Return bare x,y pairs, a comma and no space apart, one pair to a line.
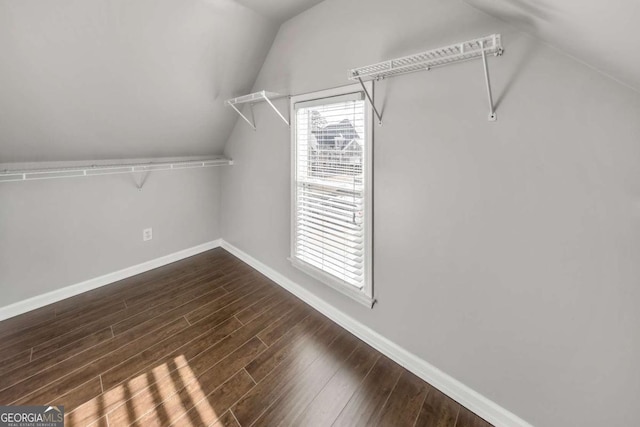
110,169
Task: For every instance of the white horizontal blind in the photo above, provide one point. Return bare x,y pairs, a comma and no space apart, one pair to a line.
329,206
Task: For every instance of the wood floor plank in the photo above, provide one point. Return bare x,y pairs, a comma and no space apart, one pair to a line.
302,335
207,341
27,320
251,312
226,420
157,353
13,362
197,279
149,279
70,421
89,306
74,346
56,328
53,382
146,285
405,401
19,342
150,324
249,276
278,329
198,360
262,291
466,418
125,398
50,333
137,394
308,383
228,302
196,283
363,409
83,312
191,343
135,286
65,364
70,333
221,399
208,290
279,381
274,308
329,402
76,397
201,361
212,392
438,410
206,411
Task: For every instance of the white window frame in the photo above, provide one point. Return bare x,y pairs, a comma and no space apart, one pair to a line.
365,295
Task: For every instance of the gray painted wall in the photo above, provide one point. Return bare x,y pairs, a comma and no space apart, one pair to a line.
60,232
506,254
599,33
93,79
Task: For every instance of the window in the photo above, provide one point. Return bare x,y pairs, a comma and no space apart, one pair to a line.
331,190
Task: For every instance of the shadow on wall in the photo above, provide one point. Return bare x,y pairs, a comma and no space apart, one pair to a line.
520,12
525,53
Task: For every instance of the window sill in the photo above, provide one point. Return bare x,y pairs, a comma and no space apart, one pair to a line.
344,289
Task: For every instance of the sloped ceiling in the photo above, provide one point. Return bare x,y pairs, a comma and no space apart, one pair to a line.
95,79
603,34
280,10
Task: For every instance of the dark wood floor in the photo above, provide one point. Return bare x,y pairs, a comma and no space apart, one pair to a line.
207,341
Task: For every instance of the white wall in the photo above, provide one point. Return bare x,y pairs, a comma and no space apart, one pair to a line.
88,80
60,232
506,254
93,79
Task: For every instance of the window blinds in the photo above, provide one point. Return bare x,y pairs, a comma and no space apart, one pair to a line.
329,205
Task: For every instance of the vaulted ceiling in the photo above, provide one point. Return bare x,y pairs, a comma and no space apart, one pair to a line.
280,10
603,34
90,79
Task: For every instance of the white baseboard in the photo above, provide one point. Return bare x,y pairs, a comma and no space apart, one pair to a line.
69,291
472,400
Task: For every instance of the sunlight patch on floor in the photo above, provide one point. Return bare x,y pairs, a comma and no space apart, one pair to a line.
197,396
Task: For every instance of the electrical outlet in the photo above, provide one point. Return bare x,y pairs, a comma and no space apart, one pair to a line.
147,234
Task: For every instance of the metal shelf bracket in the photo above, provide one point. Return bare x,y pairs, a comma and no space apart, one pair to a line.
371,97
143,178
252,99
253,126
492,109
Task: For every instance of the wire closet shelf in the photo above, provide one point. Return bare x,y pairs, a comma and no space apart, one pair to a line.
106,169
459,52
254,98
